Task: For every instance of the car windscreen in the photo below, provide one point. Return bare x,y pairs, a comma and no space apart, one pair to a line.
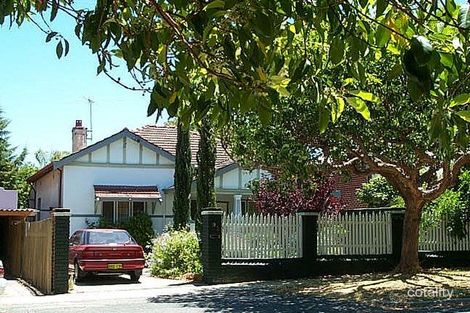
108,237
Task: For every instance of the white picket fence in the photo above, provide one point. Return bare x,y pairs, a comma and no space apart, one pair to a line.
437,238
355,233
347,234
261,236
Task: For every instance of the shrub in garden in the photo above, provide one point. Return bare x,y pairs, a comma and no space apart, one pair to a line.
176,254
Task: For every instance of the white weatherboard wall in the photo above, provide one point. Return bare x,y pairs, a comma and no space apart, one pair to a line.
47,189
238,178
79,194
122,162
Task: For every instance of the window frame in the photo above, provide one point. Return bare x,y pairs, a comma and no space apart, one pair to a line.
147,204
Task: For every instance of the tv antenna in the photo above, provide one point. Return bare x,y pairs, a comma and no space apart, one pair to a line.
90,130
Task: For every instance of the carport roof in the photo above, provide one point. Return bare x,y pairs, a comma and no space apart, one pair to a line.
17,212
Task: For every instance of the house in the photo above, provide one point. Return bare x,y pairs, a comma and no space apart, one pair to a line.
130,172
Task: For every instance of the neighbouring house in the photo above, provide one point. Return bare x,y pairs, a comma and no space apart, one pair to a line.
129,172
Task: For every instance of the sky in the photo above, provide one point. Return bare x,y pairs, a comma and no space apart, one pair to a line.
42,96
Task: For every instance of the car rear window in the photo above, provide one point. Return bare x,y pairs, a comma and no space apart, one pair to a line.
108,237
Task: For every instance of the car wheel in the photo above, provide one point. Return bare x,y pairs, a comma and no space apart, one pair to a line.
135,276
78,274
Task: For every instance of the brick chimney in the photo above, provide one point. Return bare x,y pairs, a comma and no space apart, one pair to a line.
79,134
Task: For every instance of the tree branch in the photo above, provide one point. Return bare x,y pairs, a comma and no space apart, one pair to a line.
449,177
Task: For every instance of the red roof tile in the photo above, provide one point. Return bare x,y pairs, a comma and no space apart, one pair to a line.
165,137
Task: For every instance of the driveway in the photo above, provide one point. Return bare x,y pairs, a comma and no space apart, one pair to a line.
14,289
105,284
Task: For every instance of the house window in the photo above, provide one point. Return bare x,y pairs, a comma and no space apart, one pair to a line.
138,207
108,211
122,211
248,207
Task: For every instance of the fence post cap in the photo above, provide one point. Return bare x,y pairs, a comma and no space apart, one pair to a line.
61,212
212,212
308,213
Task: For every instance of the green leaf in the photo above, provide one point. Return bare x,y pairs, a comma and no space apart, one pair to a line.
216,4
337,50
460,99
381,6
323,118
59,50
396,71
464,16
422,49
360,106
337,109
67,47
382,36
447,60
367,96
464,115
50,36
264,112
263,24
54,9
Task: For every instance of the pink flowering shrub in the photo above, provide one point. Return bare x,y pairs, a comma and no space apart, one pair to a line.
273,196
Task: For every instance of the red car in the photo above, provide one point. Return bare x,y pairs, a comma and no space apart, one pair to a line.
105,251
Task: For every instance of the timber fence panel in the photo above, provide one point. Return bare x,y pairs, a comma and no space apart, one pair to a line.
261,236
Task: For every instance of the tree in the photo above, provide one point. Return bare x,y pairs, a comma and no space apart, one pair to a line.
247,54
394,142
13,169
182,178
377,193
45,157
206,156
251,55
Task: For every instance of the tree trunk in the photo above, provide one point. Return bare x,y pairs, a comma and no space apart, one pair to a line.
409,261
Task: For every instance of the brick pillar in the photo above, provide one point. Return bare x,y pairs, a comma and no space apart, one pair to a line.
397,234
60,250
211,244
309,236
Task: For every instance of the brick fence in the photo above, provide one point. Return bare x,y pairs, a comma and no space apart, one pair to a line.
218,270
60,251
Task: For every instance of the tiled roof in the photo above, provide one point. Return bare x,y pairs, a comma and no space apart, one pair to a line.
165,137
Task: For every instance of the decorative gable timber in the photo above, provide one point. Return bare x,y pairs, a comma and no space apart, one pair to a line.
125,135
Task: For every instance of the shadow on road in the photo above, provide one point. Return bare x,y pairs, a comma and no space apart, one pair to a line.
95,280
258,299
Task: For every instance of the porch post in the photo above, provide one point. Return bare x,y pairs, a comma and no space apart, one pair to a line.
237,204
